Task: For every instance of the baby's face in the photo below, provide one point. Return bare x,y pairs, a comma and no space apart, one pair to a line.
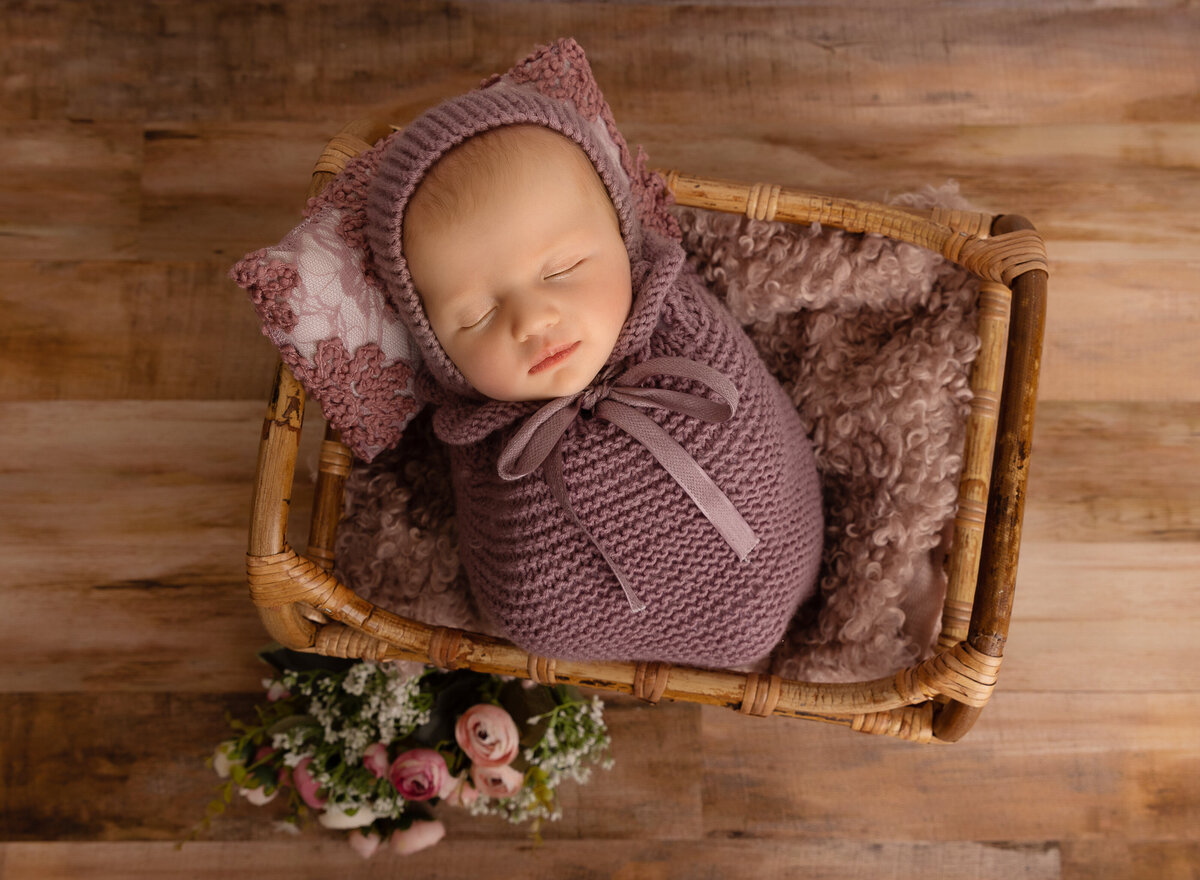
528,288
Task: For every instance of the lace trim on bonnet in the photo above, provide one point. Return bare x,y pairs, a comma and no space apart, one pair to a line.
561,71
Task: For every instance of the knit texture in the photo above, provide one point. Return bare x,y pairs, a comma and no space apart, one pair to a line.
533,571
545,586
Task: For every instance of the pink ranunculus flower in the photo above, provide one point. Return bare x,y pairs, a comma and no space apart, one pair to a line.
419,774
365,843
277,691
418,837
497,782
488,735
375,759
306,786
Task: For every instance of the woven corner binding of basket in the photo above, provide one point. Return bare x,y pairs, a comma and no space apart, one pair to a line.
912,723
961,673
283,578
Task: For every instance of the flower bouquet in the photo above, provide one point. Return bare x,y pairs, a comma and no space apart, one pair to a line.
370,748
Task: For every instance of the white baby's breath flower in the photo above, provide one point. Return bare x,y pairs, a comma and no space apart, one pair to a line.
387,805
356,679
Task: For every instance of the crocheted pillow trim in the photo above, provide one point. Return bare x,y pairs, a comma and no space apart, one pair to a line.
333,327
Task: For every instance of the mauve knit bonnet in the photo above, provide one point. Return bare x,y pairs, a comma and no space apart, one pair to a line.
412,153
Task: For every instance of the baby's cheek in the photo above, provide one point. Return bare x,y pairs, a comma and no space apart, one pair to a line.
493,370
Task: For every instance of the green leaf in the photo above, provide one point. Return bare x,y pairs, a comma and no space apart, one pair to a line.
292,721
285,660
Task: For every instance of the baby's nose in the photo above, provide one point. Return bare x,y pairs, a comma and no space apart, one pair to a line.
533,317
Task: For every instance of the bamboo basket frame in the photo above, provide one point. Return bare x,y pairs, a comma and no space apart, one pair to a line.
303,606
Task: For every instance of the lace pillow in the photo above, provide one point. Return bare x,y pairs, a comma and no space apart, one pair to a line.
335,331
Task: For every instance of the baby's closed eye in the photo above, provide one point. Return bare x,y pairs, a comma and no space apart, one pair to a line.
469,324
564,271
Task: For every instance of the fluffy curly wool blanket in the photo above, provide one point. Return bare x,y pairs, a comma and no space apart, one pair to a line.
872,339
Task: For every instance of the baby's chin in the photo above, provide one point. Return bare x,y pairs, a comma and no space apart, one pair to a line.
559,386
555,390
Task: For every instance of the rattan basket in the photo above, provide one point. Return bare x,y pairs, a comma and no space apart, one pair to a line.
306,608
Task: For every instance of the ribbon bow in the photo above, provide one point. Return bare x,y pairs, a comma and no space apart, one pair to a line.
538,443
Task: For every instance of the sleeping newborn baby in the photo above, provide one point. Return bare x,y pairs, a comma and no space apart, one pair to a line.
630,481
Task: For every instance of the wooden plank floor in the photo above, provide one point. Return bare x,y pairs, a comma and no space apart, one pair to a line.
147,145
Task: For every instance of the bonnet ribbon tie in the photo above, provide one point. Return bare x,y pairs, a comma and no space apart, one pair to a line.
538,442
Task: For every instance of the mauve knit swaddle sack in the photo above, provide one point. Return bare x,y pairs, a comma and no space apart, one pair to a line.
536,567
544,584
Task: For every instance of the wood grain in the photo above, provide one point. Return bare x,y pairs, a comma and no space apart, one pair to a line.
156,499
208,158
172,59
129,330
138,554
1110,859
1115,472
668,860
1121,315
72,191
1049,766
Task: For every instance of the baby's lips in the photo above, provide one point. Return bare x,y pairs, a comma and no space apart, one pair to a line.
552,355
